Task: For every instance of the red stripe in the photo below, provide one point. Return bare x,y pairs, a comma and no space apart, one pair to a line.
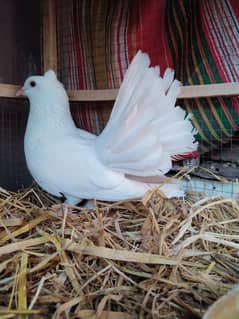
186,156
213,49
80,60
231,32
152,14
120,37
235,102
235,7
131,32
211,41
225,25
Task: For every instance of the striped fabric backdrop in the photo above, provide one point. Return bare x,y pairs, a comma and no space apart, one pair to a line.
204,43
97,39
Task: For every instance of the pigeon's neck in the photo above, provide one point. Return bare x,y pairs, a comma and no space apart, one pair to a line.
52,120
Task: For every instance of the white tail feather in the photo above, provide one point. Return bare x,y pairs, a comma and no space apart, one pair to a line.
145,130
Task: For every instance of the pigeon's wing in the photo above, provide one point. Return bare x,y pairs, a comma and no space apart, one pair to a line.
145,130
85,135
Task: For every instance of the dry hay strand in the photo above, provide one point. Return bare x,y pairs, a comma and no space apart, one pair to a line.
157,258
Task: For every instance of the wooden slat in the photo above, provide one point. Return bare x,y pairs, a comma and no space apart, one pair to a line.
188,92
209,90
93,95
8,90
49,35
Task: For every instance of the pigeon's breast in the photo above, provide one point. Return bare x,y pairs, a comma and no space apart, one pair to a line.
69,165
42,162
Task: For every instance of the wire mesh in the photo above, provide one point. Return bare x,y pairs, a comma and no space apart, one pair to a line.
19,57
13,171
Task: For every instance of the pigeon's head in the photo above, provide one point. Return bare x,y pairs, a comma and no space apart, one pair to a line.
45,87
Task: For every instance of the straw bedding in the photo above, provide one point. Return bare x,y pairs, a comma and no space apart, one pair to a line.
157,258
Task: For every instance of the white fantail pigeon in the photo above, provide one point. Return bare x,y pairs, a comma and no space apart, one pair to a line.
144,133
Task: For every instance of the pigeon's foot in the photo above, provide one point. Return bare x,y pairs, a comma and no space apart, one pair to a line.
86,203
70,200
89,204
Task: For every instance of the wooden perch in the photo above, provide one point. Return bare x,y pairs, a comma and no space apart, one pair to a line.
209,90
8,90
187,92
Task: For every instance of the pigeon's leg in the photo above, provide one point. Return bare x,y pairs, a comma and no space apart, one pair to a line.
89,204
70,200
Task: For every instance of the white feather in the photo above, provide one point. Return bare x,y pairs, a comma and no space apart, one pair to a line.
144,132
149,123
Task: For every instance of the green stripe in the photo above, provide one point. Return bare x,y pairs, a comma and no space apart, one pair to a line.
202,43
172,29
192,106
222,115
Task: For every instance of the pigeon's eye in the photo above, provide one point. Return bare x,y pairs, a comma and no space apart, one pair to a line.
33,83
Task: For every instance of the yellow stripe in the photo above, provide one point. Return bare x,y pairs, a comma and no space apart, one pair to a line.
173,41
134,34
196,69
211,129
218,118
178,26
185,41
196,64
114,47
99,43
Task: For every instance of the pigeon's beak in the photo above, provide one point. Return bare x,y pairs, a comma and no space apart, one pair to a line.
20,92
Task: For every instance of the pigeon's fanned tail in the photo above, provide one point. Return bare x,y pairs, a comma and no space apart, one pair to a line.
145,130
